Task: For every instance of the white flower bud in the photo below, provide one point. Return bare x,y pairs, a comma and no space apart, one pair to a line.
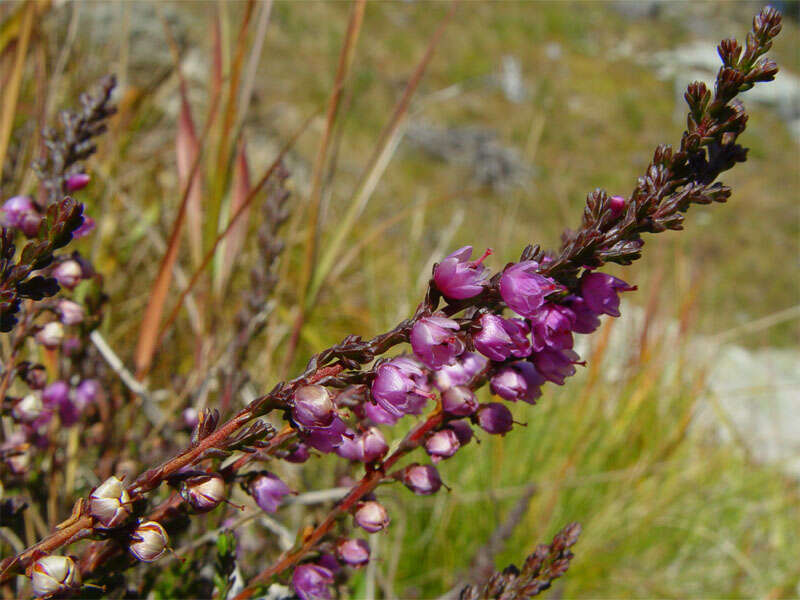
51,335
29,408
204,492
110,503
54,574
71,312
149,541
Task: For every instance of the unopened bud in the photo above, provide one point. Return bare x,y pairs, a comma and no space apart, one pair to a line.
495,418
313,407
371,516
268,491
29,408
204,492
71,312
459,401
421,479
442,444
52,574
150,541
68,273
353,552
51,335
109,504
76,182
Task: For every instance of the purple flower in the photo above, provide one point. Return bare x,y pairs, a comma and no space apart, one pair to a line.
190,417
523,289
599,291
268,491
397,387
314,411
353,552
459,401
555,365
19,212
371,516
499,338
457,277
378,415
71,312
85,228
68,273
421,479
310,582
462,430
617,205
442,444
552,327
434,341
518,381
297,454
495,418
586,320
76,182
327,439
460,372
56,394
367,447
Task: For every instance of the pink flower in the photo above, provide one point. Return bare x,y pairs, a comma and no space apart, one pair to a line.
457,277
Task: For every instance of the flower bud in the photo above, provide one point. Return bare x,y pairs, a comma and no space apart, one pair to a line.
150,541
495,418
19,212
367,447
51,335
310,582
421,479
51,574
518,381
204,492
353,552
87,393
268,491
190,417
313,407
442,444
556,365
399,387
461,372
298,454
28,409
617,205
71,312
499,338
109,503
459,401
600,292
371,516
523,289
76,182
552,327
457,277
434,341
35,377
462,430
68,273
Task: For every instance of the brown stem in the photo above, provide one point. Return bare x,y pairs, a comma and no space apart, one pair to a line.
367,484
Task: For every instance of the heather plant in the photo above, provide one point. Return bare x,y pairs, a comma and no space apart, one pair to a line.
389,408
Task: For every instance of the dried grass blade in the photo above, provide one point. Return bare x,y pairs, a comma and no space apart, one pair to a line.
210,253
11,95
187,150
388,141
148,331
240,192
227,132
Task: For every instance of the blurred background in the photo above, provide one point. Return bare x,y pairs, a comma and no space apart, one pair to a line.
677,447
